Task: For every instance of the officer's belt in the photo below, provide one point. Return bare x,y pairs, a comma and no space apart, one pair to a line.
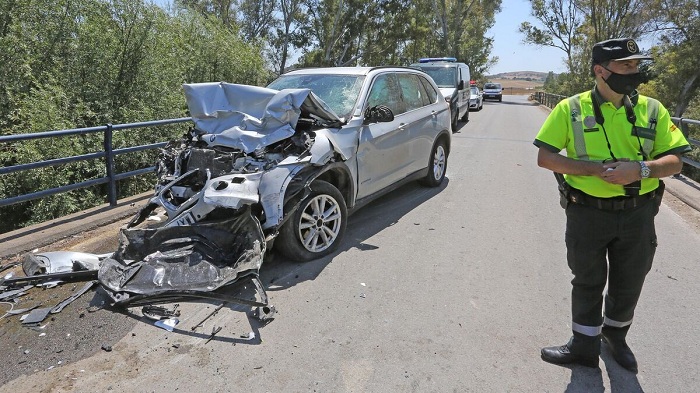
614,203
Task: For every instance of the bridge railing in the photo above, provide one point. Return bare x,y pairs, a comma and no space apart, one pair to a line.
551,100
108,154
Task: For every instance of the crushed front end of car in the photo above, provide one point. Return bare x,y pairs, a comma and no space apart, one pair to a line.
222,193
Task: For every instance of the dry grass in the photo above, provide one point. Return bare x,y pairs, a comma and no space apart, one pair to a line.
518,86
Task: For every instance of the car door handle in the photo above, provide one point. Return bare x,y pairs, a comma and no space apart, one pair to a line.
433,113
402,126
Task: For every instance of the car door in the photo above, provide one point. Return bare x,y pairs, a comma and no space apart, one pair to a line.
382,149
463,82
421,121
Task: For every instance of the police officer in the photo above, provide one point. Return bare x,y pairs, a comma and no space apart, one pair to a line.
618,144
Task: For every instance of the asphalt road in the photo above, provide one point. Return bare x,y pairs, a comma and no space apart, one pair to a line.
453,289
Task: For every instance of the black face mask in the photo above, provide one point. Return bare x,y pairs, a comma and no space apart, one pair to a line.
624,83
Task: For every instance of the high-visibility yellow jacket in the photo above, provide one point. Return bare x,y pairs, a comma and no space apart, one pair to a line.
572,126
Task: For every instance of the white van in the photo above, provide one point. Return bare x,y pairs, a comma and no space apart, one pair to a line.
453,80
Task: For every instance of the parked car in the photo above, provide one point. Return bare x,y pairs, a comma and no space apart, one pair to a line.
476,101
302,153
493,91
453,80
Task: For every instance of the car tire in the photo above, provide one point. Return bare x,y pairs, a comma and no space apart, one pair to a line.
455,120
465,118
437,165
500,99
316,227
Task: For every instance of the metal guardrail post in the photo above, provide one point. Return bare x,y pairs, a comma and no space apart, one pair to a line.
684,128
109,164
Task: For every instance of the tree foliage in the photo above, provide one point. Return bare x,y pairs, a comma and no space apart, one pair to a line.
575,25
82,63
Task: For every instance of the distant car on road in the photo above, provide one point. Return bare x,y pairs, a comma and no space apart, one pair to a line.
493,91
476,101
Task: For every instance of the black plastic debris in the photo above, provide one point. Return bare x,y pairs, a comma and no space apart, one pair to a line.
175,263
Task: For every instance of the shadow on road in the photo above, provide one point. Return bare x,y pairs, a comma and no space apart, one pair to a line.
277,273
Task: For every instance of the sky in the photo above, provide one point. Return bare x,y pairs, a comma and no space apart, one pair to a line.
508,47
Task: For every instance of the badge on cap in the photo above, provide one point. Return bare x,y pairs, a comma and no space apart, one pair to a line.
632,46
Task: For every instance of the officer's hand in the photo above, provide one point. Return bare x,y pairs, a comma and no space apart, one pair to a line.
621,172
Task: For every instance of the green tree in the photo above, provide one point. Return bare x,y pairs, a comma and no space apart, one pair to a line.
677,57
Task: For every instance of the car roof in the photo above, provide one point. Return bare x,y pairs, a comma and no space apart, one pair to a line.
346,70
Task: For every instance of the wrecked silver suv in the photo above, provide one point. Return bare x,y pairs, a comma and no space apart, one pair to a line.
301,153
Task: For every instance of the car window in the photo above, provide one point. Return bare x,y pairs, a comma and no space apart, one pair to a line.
386,91
443,76
492,86
431,95
412,91
340,92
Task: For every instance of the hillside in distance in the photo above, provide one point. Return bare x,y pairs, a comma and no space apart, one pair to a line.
533,76
519,82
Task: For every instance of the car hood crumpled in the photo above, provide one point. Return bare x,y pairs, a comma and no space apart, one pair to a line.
250,117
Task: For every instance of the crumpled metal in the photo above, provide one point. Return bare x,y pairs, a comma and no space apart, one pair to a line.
250,117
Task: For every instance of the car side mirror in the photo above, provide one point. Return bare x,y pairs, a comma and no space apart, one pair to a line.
461,85
378,114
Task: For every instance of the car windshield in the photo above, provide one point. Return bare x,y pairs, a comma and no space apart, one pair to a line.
474,90
340,92
443,76
492,86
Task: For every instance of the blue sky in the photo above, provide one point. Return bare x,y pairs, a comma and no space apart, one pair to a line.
512,53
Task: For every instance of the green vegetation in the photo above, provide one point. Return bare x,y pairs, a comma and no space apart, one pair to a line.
82,63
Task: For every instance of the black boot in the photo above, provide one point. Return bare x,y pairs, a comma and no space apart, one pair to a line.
583,350
621,352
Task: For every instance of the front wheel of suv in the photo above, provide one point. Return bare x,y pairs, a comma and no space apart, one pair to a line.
317,227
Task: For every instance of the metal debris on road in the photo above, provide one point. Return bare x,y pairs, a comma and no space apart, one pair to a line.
35,317
60,306
211,314
214,330
157,313
167,324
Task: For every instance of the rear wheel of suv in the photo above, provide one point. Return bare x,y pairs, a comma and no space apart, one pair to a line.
318,225
437,166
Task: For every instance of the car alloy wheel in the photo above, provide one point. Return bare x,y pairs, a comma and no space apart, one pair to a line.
437,166
317,226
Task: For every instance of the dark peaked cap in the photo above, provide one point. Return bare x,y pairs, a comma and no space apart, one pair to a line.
617,49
